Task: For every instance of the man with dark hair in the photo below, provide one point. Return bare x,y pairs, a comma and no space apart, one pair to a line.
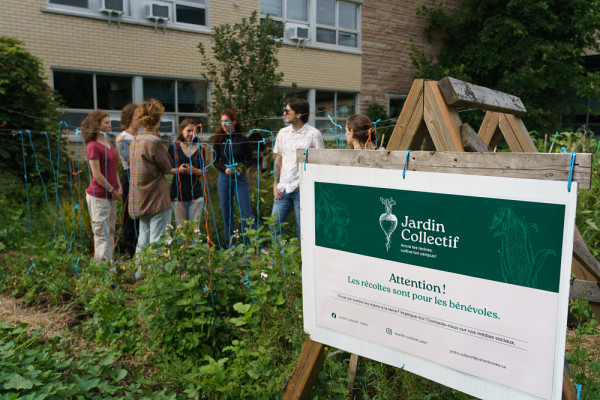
297,135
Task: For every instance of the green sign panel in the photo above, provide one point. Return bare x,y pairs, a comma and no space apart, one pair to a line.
514,242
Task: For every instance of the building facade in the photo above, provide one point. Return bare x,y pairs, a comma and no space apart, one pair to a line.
389,28
341,54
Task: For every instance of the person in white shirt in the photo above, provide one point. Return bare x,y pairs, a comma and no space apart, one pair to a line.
298,135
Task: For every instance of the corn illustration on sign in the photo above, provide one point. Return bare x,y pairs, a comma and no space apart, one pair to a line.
461,279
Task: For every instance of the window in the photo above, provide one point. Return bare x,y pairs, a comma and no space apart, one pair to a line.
113,92
337,23
395,104
162,90
83,91
72,3
190,12
330,22
181,99
296,10
76,89
338,105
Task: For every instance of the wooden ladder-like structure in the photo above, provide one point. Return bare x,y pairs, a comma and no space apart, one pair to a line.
431,107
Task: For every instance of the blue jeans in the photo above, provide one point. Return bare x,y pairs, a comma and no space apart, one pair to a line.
228,192
188,210
152,227
283,207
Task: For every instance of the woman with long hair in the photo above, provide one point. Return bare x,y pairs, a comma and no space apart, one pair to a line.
233,157
186,188
360,132
149,161
105,187
130,126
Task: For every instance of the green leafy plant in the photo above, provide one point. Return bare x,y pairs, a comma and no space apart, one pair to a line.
244,74
26,103
533,50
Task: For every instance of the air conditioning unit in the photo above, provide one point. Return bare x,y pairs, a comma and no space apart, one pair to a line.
297,32
113,7
158,12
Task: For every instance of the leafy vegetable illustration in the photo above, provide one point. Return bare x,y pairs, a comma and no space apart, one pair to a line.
332,216
388,221
519,263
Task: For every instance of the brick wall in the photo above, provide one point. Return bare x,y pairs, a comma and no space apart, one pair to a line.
78,42
388,26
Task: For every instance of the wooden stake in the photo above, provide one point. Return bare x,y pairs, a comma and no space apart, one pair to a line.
352,367
305,373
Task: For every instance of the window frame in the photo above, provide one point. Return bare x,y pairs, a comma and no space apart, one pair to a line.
391,96
312,25
337,28
336,118
172,117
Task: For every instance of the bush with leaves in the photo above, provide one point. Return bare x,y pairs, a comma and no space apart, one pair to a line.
26,103
243,70
531,49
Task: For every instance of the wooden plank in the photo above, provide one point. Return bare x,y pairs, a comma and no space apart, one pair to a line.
489,131
582,254
406,115
513,126
352,367
585,290
546,166
471,141
509,134
415,131
442,122
459,93
305,373
568,391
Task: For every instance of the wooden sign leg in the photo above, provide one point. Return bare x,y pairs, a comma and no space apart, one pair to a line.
305,373
568,392
352,367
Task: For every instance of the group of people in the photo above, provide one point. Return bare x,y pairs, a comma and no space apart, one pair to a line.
148,200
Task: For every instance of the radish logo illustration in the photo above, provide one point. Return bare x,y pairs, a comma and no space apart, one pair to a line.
388,221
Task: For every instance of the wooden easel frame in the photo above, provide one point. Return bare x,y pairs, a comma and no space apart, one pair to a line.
431,108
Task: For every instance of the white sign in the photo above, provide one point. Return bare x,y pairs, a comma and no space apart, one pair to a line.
461,279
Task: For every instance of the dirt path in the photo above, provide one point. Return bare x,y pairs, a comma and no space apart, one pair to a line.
54,319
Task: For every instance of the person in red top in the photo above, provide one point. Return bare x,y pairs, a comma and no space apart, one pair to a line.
105,186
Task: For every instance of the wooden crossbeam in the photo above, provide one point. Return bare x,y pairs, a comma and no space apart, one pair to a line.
585,290
471,141
552,166
463,94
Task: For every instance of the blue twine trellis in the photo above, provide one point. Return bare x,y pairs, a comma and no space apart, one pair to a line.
37,167
57,208
341,137
375,129
32,259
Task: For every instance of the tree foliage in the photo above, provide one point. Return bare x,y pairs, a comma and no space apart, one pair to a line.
26,103
532,49
244,72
